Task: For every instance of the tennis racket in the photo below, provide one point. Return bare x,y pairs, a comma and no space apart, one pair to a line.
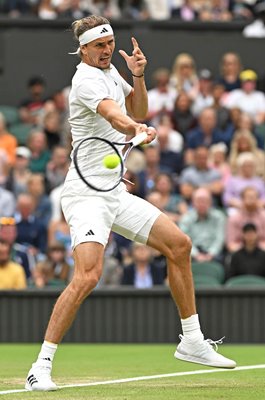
88,158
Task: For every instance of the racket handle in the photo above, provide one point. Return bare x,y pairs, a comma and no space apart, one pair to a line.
139,138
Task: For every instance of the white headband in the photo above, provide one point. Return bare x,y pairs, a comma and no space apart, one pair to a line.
93,34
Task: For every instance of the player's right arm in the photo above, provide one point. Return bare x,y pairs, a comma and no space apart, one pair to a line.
112,112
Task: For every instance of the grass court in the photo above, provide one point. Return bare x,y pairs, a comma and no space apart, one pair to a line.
81,364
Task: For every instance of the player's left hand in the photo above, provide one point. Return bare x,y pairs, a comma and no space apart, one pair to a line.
137,61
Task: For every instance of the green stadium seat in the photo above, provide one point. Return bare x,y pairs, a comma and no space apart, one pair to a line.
245,280
11,115
21,131
209,269
205,281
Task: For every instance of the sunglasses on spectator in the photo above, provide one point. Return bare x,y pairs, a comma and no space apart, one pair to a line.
7,221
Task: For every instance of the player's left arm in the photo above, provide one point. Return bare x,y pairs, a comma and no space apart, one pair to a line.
136,101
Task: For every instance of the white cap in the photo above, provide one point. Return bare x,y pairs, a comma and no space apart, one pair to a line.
23,151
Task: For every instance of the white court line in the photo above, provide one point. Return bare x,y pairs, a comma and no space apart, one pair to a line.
148,377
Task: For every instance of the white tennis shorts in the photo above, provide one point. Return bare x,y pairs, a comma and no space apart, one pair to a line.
92,215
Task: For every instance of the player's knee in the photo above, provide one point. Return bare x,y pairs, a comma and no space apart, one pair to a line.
86,283
181,248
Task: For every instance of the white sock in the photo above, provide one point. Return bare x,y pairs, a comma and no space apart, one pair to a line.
191,328
47,351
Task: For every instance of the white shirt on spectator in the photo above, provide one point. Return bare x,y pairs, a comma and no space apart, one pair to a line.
251,103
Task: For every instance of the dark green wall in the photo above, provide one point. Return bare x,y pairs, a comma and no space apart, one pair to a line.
30,47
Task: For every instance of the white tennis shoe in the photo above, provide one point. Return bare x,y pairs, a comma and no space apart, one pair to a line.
39,377
203,352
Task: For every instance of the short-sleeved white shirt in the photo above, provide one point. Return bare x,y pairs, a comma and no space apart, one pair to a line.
251,103
90,86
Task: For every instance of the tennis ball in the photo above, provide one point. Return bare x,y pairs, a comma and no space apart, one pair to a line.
111,161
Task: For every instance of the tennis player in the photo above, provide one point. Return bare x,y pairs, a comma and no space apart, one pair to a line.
103,104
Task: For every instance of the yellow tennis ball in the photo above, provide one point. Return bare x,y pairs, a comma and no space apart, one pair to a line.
111,161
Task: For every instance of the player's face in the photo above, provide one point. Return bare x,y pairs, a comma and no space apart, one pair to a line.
99,52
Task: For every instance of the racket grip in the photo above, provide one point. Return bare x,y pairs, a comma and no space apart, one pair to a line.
139,138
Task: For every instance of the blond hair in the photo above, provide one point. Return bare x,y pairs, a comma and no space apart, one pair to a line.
84,24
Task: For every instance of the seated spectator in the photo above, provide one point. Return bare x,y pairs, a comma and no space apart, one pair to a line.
51,128
135,9
257,28
55,197
59,231
205,134
54,269
170,202
200,175
12,275
30,231
218,161
106,8
171,161
8,142
205,226
152,168
182,118
230,69
186,11
204,98
250,259
245,177
112,268
247,98
4,167
184,75
242,142
46,10
224,122
43,208
19,174
249,212
40,155
215,10
7,203
161,97
31,109
142,273
57,167
242,121
19,253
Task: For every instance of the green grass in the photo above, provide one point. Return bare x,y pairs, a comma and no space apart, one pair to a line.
90,363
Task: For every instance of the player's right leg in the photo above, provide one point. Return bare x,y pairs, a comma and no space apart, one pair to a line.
88,266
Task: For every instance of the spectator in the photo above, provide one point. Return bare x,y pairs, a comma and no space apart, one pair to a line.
36,188
40,155
245,177
218,161
170,202
59,231
182,117
222,113
31,109
57,167
158,9
205,134
250,259
46,10
247,98
244,122
112,269
54,269
184,75
8,142
257,28
142,273
135,9
51,128
250,211
19,253
73,9
243,141
152,168
186,11
106,8
30,231
205,226
230,69
55,197
12,275
7,203
175,139
161,97
19,173
204,98
200,175
215,10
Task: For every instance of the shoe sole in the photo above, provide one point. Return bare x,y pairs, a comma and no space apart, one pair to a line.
196,360
31,389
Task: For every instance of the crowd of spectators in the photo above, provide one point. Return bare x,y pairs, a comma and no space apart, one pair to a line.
205,170
187,10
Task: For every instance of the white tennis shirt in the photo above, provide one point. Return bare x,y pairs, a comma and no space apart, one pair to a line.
90,86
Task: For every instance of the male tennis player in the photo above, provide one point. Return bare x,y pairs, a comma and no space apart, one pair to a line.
100,100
